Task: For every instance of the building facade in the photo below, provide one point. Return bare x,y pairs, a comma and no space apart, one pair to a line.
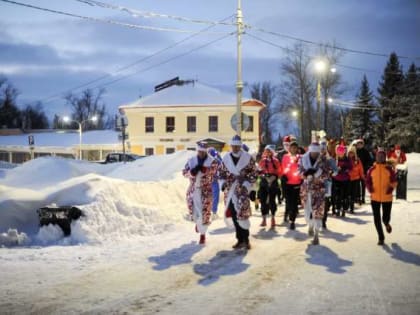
177,117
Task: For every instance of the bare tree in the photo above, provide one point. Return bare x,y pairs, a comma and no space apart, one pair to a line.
87,105
266,93
297,89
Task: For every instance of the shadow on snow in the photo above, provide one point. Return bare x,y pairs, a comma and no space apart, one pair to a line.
224,263
176,256
339,237
223,230
398,253
264,234
323,256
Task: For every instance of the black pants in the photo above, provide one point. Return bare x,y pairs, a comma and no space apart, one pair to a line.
363,190
402,185
354,192
292,195
267,195
341,195
242,235
386,216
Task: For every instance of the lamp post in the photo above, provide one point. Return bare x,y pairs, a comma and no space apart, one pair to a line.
321,68
295,114
67,119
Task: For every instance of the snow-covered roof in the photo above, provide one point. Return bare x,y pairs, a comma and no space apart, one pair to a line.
63,139
194,94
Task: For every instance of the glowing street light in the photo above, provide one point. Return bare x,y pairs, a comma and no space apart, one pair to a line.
295,113
67,119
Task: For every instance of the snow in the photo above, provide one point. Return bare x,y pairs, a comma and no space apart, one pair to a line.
134,253
196,94
62,139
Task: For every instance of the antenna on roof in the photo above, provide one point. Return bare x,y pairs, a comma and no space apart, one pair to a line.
174,81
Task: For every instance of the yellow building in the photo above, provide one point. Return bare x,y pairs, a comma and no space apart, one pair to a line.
177,117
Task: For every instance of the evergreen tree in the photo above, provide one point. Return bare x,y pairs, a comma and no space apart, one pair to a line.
33,117
9,112
405,128
390,86
361,117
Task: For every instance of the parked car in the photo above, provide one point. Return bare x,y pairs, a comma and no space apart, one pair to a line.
115,157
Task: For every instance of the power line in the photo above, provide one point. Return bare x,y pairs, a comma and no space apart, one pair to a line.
136,26
50,98
311,57
355,51
138,13
166,61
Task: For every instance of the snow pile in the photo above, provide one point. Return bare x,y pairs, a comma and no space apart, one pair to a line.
119,201
13,238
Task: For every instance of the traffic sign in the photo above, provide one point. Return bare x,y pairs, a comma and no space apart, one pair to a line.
245,121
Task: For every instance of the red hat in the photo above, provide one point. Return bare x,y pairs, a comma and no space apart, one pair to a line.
286,139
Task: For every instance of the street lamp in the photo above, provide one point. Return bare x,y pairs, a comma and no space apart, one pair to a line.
321,67
67,119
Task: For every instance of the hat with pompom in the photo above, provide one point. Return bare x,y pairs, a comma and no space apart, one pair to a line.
236,140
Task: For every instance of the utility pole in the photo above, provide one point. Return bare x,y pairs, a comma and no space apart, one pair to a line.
318,104
239,83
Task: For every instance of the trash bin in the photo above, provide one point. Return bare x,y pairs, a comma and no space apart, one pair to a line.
61,216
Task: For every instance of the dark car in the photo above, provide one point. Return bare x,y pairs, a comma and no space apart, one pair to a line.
115,157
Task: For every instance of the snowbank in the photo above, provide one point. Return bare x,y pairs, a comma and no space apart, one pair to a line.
119,201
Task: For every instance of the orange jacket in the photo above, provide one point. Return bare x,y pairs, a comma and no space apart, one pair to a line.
357,171
381,180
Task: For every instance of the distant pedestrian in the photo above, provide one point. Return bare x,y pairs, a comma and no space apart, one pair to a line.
200,170
381,180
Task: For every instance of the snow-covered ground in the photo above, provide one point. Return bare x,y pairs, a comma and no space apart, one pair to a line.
133,252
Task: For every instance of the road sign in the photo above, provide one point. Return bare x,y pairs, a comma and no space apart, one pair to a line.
245,121
31,140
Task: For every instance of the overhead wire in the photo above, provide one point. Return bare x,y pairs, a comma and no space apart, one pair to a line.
112,22
55,96
307,41
148,14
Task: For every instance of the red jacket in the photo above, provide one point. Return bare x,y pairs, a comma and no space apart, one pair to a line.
270,165
356,171
290,166
401,159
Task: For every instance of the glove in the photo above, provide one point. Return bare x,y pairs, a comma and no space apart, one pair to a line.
253,195
389,190
310,171
195,170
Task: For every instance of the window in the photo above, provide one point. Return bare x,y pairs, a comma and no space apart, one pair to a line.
170,150
191,124
149,151
213,123
150,124
251,124
170,124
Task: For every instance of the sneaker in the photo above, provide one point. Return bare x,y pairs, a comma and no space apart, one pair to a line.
381,242
292,225
264,222
237,245
202,239
273,222
388,228
311,231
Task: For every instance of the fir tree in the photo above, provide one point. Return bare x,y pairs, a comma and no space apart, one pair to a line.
390,87
361,118
9,112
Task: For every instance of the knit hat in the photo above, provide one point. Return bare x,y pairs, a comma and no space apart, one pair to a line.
213,152
202,146
286,139
236,140
314,147
380,150
341,150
